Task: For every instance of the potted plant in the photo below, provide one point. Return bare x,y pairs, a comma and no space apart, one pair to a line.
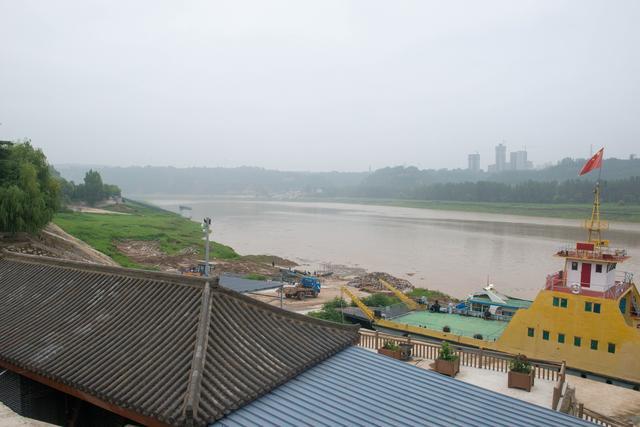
521,373
448,362
391,349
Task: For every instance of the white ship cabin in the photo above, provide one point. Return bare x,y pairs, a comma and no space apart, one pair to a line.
590,268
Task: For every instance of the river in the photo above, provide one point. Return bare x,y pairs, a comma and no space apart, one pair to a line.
455,252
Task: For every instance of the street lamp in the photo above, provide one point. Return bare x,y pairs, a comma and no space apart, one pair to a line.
206,227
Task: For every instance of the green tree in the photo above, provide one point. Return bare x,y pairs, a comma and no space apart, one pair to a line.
29,194
93,187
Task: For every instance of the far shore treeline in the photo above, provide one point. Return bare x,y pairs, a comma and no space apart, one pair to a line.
556,184
32,191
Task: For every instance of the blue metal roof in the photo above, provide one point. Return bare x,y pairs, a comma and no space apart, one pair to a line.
242,285
358,387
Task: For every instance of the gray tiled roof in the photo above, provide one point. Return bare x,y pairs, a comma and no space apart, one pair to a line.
357,387
167,347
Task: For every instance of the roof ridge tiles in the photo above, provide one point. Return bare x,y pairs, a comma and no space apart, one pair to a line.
197,365
108,269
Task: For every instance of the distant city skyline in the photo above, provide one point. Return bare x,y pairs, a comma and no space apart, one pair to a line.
319,86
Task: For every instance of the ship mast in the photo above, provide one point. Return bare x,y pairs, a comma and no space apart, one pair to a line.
595,226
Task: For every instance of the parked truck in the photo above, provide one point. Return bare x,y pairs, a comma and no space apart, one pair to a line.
308,286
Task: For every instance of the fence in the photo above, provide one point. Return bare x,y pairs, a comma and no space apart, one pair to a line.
599,419
475,358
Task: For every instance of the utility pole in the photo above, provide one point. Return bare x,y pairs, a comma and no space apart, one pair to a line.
206,227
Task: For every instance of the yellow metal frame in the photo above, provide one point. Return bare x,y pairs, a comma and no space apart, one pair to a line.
366,310
411,304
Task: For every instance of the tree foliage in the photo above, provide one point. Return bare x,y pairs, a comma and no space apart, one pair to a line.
91,191
29,193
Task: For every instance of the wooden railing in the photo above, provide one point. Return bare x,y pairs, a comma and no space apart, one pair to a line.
599,419
472,357
559,387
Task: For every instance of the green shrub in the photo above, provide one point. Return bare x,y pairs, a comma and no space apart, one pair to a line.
330,311
255,276
378,300
520,363
446,352
391,345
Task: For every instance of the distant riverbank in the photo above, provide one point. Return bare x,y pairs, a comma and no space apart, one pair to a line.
609,211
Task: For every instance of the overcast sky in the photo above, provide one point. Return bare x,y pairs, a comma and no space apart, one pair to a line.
319,85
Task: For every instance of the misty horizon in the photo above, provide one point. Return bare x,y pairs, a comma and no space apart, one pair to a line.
330,86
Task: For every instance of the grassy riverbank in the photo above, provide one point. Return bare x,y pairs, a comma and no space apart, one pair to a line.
610,211
138,222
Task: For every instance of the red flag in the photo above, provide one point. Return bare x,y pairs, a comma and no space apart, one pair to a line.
593,163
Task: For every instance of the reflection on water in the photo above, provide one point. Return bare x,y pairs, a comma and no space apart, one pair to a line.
456,252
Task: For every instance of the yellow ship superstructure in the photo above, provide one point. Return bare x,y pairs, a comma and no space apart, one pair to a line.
587,315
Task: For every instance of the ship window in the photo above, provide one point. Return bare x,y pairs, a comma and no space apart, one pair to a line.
623,305
588,306
561,338
556,301
574,266
611,267
563,302
545,335
577,341
612,348
530,332
598,268
594,344
596,307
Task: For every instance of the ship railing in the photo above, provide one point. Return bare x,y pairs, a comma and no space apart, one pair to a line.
471,357
623,281
555,280
619,288
601,252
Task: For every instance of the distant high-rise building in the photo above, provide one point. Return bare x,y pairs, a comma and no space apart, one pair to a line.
501,157
474,162
519,160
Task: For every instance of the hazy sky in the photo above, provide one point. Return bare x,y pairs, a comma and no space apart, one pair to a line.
319,85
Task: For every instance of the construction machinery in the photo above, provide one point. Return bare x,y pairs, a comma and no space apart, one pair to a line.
308,286
197,270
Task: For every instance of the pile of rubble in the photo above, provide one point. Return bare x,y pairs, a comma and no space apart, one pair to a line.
29,250
371,282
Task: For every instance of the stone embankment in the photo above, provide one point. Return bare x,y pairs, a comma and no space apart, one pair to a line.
52,241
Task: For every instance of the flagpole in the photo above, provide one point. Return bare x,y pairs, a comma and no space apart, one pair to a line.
595,214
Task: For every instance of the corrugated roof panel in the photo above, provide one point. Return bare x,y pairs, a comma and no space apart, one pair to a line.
242,285
359,387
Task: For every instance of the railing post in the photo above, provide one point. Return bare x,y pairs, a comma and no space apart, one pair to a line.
377,340
580,410
480,358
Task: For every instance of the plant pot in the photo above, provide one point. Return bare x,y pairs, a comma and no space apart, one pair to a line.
396,354
448,367
521,380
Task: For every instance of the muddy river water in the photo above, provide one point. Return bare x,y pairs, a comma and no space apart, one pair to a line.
456,252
